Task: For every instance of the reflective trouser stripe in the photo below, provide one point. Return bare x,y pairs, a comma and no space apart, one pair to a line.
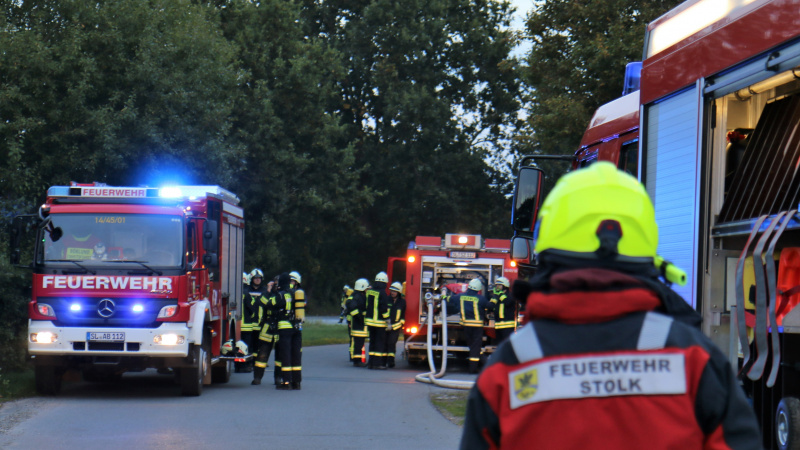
260,364
501,325
475,359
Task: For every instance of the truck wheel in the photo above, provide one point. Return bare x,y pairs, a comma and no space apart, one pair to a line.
787,424
221,373
48,380
192,377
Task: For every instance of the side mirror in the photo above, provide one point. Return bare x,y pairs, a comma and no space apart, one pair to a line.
211,260
521,249
526,199
211,236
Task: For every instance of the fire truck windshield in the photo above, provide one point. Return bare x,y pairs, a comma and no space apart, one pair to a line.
156,240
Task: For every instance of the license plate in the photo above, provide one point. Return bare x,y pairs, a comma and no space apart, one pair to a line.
105,337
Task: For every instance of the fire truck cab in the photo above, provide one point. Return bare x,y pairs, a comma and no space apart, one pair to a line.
433,263
128,278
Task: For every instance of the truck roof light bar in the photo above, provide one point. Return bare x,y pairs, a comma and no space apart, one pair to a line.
99,190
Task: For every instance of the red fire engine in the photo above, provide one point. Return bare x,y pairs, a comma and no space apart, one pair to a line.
718,110
432,263
128,278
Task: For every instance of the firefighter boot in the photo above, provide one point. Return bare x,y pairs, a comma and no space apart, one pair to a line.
295,385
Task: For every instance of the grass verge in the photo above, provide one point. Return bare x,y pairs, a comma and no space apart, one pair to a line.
315,333
14,385
452,404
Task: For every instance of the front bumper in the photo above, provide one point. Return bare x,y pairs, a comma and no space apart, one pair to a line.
72,341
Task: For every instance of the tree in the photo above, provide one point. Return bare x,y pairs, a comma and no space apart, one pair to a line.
577,63
428,86
299,177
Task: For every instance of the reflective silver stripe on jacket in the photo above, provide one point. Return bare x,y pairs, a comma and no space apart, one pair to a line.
652,336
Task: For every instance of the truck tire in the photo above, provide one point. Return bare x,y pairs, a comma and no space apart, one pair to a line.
787,424
192,377
221,373
48,380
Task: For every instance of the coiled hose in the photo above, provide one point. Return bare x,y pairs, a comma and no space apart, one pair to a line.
433,377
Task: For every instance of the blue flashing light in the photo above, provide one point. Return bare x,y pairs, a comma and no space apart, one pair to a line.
137,308
75,307
170,192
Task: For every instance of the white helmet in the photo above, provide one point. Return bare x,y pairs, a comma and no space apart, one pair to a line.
241,347
381,276
227,347
397,287
362,284
475,285
256,273
503,281
245,278
295,276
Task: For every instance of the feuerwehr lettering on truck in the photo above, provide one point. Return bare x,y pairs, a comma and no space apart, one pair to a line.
101,282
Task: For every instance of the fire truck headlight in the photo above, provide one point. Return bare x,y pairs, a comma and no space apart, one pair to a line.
45,310
168,339
44,337
137,308
168,311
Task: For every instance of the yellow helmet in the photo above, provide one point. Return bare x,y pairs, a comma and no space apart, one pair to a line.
598,211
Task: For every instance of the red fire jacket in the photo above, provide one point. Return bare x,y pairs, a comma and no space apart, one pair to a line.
596,367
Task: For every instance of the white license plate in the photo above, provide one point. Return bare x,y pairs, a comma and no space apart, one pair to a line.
105,337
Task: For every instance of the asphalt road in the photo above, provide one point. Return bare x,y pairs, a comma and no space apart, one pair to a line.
339,407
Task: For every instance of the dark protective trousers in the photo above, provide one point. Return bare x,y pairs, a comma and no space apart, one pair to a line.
377,346
290,351
356,346
391,346
474,338
264,349
251,339
502,334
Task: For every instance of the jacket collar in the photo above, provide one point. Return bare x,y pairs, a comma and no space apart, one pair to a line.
590,296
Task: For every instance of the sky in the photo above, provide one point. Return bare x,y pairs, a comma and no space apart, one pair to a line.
518,22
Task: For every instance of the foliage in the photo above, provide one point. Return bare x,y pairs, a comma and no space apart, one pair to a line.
428,86
16,384
576,64
452,404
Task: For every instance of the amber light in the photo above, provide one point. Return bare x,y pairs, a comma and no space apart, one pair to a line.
513,264
411,259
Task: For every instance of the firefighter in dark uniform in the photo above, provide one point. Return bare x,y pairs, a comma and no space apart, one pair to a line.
397,318
347,292
290,339
608,349
251,306
471,305
268,334
354,308
299,296
376,313
503,310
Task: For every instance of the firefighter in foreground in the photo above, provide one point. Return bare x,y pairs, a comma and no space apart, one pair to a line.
290,339
354,308
503,310
471,306
609,354
375,315
397,314
251,301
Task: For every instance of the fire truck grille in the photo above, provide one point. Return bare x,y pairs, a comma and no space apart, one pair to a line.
107,312
768,180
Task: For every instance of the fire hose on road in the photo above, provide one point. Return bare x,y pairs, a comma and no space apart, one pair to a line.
434,377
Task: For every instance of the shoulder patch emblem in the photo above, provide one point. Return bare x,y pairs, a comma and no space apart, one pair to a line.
526,384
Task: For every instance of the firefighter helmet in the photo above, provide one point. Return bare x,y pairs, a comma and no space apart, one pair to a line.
245,278
381,276
362,284
227,347
347,290
295,277
256,273
241,347
475,284
503,281
397,287
596,212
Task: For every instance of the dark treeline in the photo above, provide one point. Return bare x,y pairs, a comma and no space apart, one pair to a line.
346,127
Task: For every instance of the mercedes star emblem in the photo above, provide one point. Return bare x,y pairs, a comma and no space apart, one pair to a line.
106,307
